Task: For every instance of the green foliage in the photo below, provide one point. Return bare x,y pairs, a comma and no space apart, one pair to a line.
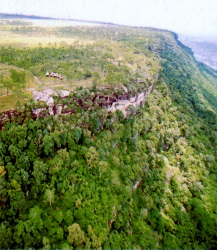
15,81
18,77
187,84
76,235
49,196
97,180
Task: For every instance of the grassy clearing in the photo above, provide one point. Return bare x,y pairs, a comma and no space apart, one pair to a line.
7,37
64,84
14,100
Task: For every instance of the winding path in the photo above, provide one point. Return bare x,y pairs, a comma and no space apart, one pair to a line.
37,80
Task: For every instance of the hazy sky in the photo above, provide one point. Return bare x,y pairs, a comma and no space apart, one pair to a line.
191,17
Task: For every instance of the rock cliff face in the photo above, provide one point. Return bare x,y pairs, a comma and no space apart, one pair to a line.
134,102
122,105
122,102
46,96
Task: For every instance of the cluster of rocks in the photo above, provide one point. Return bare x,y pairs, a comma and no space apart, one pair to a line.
124,105
47,97
55,75
112,103
122,102
133,102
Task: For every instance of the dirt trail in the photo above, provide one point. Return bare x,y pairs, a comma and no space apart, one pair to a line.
37,80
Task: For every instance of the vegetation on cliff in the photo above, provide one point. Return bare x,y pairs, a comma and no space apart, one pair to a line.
93,179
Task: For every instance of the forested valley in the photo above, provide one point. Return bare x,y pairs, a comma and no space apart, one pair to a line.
98,179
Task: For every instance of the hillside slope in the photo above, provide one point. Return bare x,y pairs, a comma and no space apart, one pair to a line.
94,179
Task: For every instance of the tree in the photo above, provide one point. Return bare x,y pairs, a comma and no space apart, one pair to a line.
8,84
49,196
92,157
48,144
18,78
39,172
95,81
76,235
35,217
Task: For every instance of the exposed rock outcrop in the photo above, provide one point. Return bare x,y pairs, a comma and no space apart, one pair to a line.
55,75
47,97
135,102
121,102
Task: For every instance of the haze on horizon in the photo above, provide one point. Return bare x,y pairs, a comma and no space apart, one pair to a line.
195,18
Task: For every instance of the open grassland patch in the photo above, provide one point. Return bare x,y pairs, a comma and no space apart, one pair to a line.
8,37
14,100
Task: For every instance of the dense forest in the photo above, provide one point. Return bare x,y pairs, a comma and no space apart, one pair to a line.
95,179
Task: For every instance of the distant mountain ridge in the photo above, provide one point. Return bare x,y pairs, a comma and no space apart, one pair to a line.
7,15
